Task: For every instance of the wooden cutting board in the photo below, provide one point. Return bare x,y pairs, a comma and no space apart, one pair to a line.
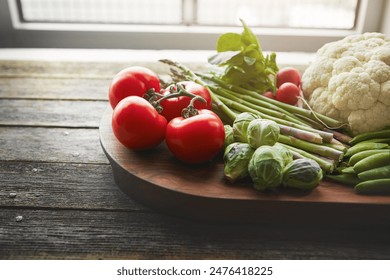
158,180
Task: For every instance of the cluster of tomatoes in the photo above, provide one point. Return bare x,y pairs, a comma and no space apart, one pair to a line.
288,81
144,115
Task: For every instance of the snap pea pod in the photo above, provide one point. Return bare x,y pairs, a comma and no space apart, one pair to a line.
377,140
378,186
348,170
347,179
385,133
363,154
364,147
373,161
382,172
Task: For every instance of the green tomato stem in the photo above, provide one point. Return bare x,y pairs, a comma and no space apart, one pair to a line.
188,74
190,110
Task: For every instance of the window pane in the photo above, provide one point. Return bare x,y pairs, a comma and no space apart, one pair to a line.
279,13
103,11
264,13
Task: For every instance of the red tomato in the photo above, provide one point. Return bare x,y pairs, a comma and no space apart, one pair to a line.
269,94
196,139
288,93
134,80
288,74
172,107
137,124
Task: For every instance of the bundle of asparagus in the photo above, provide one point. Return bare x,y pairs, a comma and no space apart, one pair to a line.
304,132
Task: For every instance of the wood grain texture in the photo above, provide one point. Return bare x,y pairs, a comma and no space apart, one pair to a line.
76,70
52,88
62,186
50,145
59,69
59,113
129,235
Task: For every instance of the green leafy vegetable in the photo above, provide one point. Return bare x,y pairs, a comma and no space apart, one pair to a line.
243,61
240,126
229,138
262,132
266,168
236,160
303,173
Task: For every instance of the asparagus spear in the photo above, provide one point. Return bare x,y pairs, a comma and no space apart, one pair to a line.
326,164
259,105
311,147
301,134
327,137
329,122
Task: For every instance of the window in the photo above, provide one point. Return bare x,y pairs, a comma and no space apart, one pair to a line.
102,11
340,14
283,25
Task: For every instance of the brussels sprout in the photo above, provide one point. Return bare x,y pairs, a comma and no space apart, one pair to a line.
229,139
262,132
240,126
285,153
304,174
236,159
266,167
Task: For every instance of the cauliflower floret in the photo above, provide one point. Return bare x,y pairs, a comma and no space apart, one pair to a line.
350,81
353,91
377,112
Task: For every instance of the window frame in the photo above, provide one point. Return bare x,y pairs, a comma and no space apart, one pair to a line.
125,36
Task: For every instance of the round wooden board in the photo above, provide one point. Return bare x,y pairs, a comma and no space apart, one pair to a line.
158,180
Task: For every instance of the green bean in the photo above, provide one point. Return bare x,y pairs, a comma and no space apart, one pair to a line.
364,147
379,186
385,133
373,161
347,179
363,154
382,172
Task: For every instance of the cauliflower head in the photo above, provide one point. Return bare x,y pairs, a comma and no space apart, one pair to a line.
349,80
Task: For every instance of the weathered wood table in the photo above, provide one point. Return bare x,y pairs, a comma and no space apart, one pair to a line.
58,198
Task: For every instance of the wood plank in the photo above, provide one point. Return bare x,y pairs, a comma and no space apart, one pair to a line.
62,186
59,69
128,235
85,69
60,113
51,88
50,145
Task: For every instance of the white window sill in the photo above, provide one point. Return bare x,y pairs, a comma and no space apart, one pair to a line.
299,60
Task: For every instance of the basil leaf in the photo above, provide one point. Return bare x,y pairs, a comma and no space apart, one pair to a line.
248,37
229,42
250,60
243,63
222,57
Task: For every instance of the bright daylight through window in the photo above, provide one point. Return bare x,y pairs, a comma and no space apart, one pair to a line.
281,25
338,14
